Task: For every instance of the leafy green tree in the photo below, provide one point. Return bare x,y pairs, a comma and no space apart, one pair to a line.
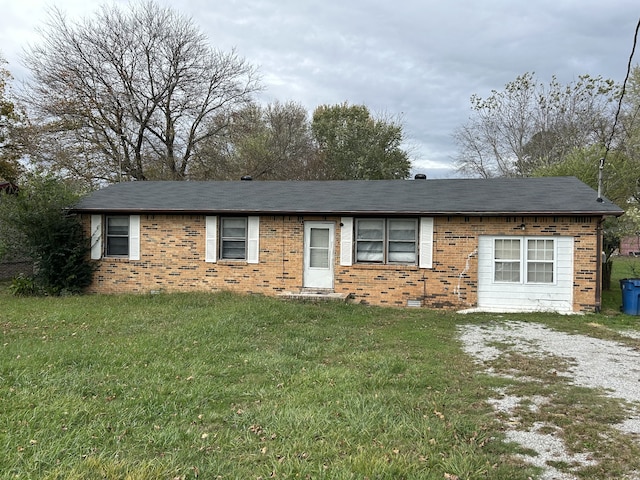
529,125
619,185
267,143
36,224
354,145
10,118
620,174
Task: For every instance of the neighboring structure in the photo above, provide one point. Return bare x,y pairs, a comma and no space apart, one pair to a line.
498,244
630,245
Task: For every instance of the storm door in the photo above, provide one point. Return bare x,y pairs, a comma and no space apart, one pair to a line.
318,254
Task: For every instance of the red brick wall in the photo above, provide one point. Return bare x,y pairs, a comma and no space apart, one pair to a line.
172,250
630,245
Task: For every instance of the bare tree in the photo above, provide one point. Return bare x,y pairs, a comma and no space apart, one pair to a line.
127,94
531,125
629,127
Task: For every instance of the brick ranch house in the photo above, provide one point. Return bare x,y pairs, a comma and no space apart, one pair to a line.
522,244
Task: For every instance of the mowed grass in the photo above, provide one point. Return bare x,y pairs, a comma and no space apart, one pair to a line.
224,386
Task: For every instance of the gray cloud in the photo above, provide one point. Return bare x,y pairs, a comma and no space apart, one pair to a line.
418,60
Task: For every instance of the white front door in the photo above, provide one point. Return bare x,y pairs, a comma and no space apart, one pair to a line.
318,254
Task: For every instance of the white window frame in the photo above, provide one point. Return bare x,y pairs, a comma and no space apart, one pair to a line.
542,261
100,237
224,239
517,259
525,262
109,235
386,241
214,242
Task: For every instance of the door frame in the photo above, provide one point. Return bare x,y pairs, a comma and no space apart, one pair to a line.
314,277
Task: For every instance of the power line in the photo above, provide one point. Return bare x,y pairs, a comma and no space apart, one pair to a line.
624,89
615,120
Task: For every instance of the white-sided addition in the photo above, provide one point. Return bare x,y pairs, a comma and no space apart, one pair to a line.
517,291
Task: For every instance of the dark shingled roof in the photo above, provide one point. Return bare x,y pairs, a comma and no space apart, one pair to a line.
469,197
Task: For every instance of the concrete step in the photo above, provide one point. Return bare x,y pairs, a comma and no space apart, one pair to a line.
315,294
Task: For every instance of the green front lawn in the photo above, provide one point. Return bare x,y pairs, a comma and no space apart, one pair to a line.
225,386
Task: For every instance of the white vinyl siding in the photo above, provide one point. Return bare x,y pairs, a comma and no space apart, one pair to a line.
540,278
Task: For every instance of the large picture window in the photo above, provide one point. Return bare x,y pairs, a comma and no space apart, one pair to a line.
386,240
524,260
233,238
117,236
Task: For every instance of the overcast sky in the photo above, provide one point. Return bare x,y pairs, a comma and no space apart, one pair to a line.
420,60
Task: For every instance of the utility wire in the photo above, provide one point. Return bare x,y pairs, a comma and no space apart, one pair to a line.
619,109
624,89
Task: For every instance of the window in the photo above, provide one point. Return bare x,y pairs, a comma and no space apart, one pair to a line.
233,238
230,238
319,247
507,260
386,240
117,236
540,261
536,256
370,241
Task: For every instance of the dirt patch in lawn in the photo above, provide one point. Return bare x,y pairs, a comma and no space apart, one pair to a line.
571,402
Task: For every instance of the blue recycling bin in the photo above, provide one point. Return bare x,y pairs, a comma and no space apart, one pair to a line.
630,295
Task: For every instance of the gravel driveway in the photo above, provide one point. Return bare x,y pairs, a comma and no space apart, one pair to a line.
585,361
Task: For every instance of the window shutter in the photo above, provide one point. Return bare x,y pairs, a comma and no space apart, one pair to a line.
346,241
96,237
211,237
253,240
134,237
426,242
